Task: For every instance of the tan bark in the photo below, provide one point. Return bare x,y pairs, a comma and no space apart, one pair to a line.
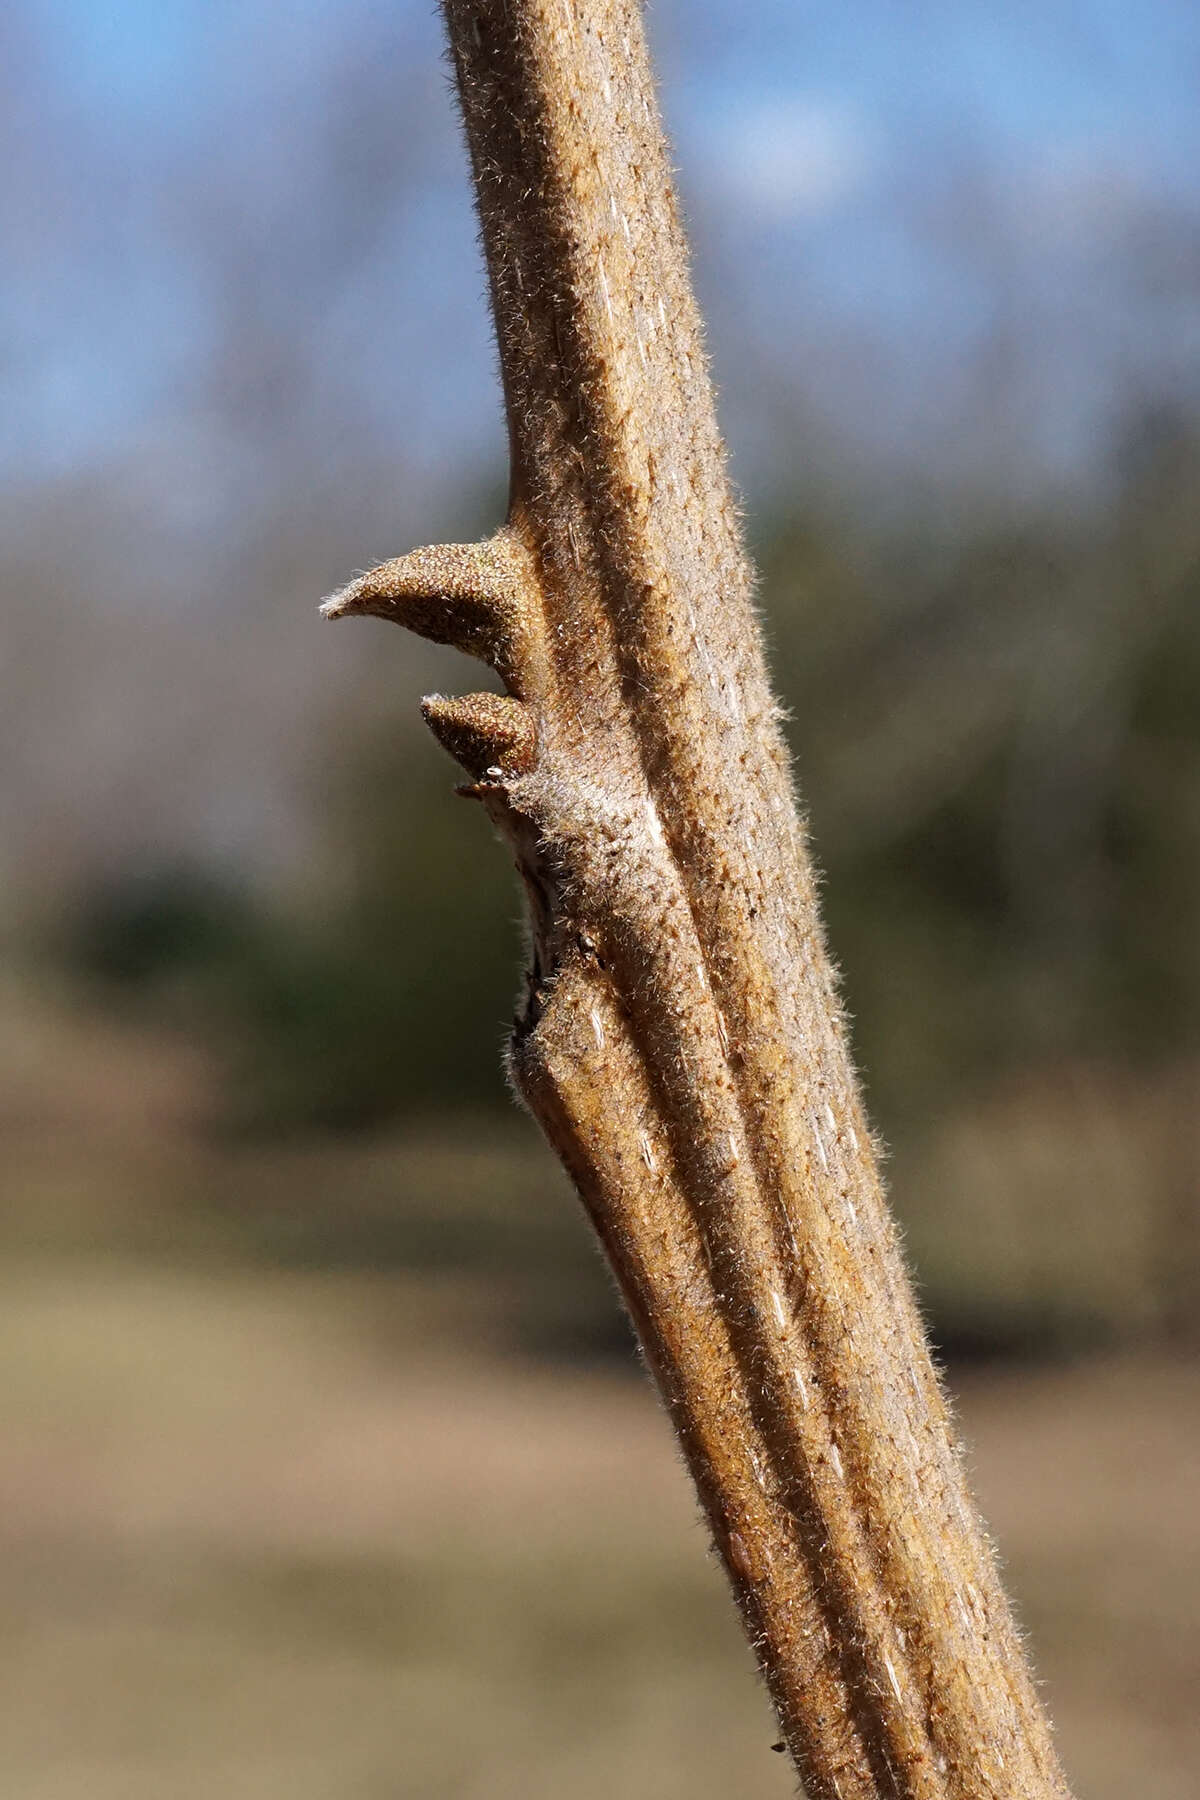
681,1043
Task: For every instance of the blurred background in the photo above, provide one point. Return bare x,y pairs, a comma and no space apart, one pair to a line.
326,1464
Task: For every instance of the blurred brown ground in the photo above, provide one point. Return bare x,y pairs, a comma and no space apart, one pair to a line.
270,1531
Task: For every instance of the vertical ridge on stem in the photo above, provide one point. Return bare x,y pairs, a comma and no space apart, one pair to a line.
682,1044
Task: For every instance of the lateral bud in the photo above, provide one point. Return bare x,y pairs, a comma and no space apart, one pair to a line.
481,598
491,735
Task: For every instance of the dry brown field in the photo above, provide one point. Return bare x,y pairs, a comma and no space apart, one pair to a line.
316,1533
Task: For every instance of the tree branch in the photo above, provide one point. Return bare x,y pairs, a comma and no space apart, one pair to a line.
681,1043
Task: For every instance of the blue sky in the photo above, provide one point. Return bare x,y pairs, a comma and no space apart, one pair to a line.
944,249
871,186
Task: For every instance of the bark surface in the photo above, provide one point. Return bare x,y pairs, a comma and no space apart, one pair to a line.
681,1041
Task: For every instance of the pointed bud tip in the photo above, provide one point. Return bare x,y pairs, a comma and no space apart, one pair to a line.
345,601
491,735
473,596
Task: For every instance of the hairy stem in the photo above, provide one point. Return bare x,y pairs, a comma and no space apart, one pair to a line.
681,1042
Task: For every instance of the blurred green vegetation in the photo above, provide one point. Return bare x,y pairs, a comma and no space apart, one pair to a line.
997,734
392,1001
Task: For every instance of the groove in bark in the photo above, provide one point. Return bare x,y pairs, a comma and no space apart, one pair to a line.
682,1044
